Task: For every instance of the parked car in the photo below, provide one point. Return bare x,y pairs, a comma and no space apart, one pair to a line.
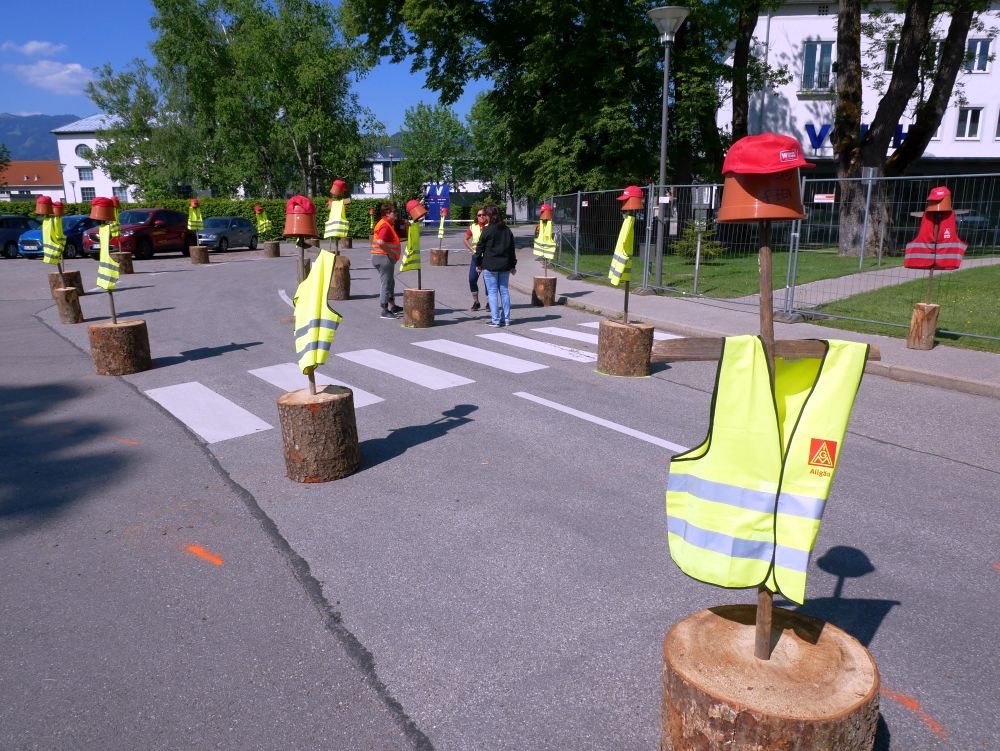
224,232
12,227
978,231
145,232
30,244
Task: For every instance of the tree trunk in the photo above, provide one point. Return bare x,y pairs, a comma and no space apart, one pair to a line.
745,26
320,434
120,348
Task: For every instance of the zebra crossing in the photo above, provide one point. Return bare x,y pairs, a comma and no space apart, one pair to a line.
214,417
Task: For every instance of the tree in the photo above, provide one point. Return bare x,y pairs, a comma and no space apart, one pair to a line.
435,146
493,160
4,158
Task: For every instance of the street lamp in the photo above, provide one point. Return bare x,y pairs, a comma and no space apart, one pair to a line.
72,184
667,19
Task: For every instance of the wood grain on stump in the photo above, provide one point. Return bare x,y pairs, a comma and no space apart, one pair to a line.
624,349
418,308
340,281
818,692
121,348
199,254
73,279
346,242
439,256
543,291
272,249
68,304
124,258
319,433
923,324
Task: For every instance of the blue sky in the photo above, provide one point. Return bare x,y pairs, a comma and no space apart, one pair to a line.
49,50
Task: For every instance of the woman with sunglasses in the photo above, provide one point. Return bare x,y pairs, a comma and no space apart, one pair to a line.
471,239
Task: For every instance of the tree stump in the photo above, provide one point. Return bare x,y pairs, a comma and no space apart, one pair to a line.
319,433
624,349
340,282
73,279
121,348
313,242
199,254
345,242
439,256
819,690
418,308
923,324
543,291
272,249
68,304
124,258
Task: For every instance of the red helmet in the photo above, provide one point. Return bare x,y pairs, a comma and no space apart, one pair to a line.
763,154
299,205
416,210
194,203
546,207
339,188
258,209
43,206
101,201
632,191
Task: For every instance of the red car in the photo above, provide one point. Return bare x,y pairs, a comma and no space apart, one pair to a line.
145,232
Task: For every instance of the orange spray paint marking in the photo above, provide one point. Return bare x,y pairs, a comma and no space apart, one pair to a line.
126,441
996,566
199,551
914,706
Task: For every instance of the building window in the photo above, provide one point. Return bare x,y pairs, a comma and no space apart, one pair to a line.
823,10
86,173
977,56
997,136
968,123
378,172
890,54
817,63
88,194
82,151
120,193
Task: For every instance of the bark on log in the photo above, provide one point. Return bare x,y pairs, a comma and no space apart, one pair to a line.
124,258
439,256
624,349
418,308
119,349
313,242
340,282
68,304
272,249
199,254
73,279
543,291
819,690
320,434
923,325
346,242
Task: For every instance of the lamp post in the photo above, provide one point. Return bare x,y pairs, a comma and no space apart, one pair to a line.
62,179
72,184
668,20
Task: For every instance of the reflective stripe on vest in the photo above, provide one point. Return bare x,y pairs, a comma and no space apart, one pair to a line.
411,256
744,507
51,247
545,246
336,223
386,247
107,267
315,322
263,223
621,262
194,218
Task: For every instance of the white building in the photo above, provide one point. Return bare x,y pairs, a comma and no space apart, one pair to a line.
82,181
803,36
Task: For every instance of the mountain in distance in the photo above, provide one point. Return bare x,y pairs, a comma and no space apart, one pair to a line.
29,137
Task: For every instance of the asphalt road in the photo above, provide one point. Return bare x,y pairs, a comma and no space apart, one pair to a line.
496,575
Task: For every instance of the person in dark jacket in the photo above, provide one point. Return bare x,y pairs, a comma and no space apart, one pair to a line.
496,260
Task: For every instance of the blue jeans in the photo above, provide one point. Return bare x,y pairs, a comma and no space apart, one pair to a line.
497,281
473,277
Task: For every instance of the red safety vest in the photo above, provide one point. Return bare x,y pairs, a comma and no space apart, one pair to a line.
385,247
943,251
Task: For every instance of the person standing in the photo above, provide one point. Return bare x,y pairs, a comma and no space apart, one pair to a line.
496,260
471,240
385,253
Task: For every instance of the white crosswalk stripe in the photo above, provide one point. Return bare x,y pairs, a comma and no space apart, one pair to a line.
207,413
288,377
408,370
658,336
579,336
556,350
481,356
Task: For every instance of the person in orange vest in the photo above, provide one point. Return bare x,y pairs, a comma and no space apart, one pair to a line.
385,253
471,238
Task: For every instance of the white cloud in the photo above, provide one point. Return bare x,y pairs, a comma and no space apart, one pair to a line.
59,78
33,48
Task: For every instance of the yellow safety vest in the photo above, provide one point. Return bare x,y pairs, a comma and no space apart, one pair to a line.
107,267
336,223
441,228
116,225
52,243
263,223
315,322
744,507
194,218
545,245
621,262
411,256
477,232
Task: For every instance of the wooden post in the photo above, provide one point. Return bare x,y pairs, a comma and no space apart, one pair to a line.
439,256
272,249
320,434
111,304
418,308
340,280
624,349
124,258
69,279
765,599
346,242
625,311
68,304
199,254
543,291
923,325
301,266
119,348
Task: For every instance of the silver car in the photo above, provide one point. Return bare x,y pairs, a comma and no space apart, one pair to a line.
224,232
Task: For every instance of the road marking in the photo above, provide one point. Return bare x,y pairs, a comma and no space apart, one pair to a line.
408,370
556,350
579,336
602,422
286,298
657,335
126,441
210,415
914,706
288,377
199,551
481,356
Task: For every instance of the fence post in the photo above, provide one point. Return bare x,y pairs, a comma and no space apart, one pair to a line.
644,289
866,173
576,257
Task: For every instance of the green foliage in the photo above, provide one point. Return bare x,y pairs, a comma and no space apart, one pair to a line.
687,244
4,157
436,145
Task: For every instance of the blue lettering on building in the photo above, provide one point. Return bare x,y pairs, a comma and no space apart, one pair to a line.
826,133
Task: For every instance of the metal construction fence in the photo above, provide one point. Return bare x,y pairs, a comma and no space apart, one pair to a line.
815,273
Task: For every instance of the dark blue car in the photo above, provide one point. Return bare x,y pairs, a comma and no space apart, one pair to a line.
29,244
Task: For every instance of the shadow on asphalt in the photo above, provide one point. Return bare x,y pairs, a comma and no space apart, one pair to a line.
202,353
378,450
128,313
